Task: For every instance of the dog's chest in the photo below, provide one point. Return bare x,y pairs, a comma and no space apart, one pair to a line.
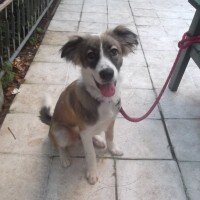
107,113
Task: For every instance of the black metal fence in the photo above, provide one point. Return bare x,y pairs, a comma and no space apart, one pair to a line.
18,20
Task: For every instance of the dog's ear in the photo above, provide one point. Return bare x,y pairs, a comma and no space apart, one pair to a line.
126,38
71,49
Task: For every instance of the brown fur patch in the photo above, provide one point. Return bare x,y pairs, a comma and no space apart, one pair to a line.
85,106
126,38
76,107
77,48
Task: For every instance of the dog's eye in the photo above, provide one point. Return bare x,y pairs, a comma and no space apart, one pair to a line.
91,55
114,51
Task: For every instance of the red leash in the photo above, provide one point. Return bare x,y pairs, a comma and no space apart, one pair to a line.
183,44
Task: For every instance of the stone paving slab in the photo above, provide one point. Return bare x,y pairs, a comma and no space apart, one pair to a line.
87,8
71,183
120,7
97,18
92,27
144,12
70,2
121,18
152,31
137,101
136,77
30,133
47,73
63,25
190,79
157,43
175,15
29,100
49,53
56,37
146,140
96,2
176,31
191,171
62,15
174,23
149,180
147,21
58,73
184,135
141,4
182,104
69,8
23,177
135,59
160,59
172,5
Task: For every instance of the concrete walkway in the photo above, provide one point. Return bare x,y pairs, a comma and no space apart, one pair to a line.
161,154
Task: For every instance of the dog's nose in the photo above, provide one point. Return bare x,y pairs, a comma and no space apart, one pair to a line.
106,74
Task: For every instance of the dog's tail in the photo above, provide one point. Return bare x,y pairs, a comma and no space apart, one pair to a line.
46,110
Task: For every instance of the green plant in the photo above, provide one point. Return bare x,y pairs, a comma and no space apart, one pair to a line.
39,30
33,40
8,73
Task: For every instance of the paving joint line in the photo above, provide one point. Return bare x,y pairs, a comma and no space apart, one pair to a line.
116,180
81,13
107,12
50,155
48,177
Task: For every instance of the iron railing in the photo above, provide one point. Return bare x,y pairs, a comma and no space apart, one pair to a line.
18,20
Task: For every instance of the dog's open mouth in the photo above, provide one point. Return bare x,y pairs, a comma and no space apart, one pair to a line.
107,89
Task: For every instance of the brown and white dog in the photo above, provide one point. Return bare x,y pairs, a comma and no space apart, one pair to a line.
89,105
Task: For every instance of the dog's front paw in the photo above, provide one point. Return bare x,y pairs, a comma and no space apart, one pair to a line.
92,177
114,150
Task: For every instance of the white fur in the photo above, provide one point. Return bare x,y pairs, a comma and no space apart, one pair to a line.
47,102
107,113
99,141
90,157
104,63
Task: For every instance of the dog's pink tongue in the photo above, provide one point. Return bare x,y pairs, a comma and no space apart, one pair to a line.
107,90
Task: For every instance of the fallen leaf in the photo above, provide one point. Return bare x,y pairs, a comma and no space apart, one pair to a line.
15,91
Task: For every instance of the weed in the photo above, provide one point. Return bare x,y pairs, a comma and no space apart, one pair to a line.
8,73
40,30
33,40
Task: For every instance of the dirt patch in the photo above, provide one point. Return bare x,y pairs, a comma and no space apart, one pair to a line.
24,59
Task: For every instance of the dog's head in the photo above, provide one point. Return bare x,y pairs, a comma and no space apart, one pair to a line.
100,57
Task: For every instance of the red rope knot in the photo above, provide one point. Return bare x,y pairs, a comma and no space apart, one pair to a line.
187,41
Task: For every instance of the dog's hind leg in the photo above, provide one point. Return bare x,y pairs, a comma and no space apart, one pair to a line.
61,137
98,141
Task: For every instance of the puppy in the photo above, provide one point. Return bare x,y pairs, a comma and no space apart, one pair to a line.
89,105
